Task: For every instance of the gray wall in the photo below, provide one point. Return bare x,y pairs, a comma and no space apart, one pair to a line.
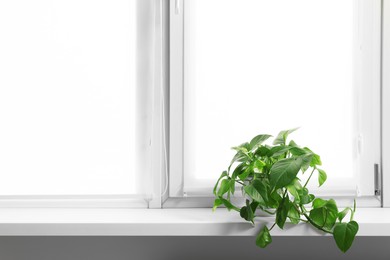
140,248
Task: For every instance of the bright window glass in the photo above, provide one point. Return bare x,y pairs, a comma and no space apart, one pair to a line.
67,97
258,66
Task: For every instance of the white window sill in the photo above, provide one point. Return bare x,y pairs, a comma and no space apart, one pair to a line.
161,222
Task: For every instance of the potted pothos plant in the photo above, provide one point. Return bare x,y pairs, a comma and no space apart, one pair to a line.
269,176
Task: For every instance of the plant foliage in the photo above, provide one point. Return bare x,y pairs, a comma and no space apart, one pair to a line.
270,180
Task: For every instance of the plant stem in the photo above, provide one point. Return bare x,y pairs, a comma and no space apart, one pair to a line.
272,226
314,224
284,194
304,186
240,182
269,212
354,209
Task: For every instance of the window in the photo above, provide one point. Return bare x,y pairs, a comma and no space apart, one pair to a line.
252,67
76,84
136,102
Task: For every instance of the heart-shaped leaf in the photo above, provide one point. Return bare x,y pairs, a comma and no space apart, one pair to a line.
282,212
321,177
258,140
344,234
284,171
257,190
282,136
263,238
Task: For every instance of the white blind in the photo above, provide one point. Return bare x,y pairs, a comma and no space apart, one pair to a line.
258,67
68,113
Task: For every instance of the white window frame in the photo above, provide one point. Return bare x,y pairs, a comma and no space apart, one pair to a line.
385,102
157,81
371,34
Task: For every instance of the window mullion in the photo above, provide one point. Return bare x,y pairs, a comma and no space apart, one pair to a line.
176,98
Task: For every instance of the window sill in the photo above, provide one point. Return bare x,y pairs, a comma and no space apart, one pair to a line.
161,222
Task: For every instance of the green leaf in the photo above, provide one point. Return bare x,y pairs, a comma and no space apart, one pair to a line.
225,187
344,234
292,144
274,200
224,174
228,204
293,188
306,160
277,151
257,141
282,136
331,205
297,151
319,203
321,177
258,166
217,203
246,173
257,190
283,172
244,148
262,151
324,213
242,154
323,218
343,213
254,205
246,212
282,212
238,157
305,197
238,170
316,160
311,160
293,191
263,238
232,184
293,214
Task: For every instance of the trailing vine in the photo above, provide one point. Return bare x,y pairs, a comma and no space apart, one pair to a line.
269,179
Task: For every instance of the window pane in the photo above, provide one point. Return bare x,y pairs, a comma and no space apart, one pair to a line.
258,66
67,89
